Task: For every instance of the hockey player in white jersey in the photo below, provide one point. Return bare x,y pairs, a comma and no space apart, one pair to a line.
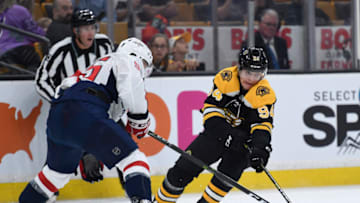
79,121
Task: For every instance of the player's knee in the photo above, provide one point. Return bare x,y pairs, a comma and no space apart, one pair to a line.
183,173
136,163
178,177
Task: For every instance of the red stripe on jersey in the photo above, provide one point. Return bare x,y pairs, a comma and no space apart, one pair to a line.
137,66
137,163
47,183
104,59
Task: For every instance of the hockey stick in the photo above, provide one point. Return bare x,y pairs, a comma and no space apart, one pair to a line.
201,164
276,184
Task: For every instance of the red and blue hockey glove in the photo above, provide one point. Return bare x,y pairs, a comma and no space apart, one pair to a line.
136,127
91,168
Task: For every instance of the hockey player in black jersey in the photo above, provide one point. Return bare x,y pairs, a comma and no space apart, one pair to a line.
238,119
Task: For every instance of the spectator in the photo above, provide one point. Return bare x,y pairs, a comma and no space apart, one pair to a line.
25,3
44,23
228,10
159,45
60,26
97,6
232,10
157,25
150,9
179,49
274,46
343,11
260,6
16,48
122,10
294,15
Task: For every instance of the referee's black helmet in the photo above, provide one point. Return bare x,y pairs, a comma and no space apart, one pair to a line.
83,17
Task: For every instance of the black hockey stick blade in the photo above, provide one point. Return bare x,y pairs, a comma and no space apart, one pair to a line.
276,184
201,164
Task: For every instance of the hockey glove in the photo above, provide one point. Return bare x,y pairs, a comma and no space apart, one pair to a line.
91,168
259,157
139,128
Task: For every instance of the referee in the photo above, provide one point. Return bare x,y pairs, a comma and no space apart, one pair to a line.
72,53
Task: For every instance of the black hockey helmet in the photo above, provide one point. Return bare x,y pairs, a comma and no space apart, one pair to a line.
253,59
83,17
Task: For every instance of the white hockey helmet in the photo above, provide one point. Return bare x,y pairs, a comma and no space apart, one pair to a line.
134,46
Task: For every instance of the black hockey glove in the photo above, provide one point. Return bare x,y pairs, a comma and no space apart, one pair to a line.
258,157
91,168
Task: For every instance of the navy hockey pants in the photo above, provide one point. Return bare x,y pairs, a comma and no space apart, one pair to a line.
76,126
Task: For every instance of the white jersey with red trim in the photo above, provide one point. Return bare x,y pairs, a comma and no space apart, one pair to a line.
121,76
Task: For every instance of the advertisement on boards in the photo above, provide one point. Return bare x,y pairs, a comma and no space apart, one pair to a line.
23,141
316,122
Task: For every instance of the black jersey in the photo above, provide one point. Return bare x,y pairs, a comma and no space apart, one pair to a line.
64,59
250,110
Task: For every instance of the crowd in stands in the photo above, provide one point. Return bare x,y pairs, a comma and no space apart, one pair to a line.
51,18
16,48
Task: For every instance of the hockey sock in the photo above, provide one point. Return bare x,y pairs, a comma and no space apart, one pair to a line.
32,195
168,193
138,186
214,192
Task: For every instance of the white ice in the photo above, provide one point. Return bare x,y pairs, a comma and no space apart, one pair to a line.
333,194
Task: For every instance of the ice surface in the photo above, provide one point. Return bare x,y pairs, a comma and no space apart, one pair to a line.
333,194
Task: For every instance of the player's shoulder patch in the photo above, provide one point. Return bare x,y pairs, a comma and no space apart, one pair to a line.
259,95
227,81
226,75
262,91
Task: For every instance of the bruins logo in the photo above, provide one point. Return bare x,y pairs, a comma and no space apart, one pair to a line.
262,90
226,75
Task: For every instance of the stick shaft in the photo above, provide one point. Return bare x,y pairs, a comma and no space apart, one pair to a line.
276,184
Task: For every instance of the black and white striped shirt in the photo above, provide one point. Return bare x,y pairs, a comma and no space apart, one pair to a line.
64,59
